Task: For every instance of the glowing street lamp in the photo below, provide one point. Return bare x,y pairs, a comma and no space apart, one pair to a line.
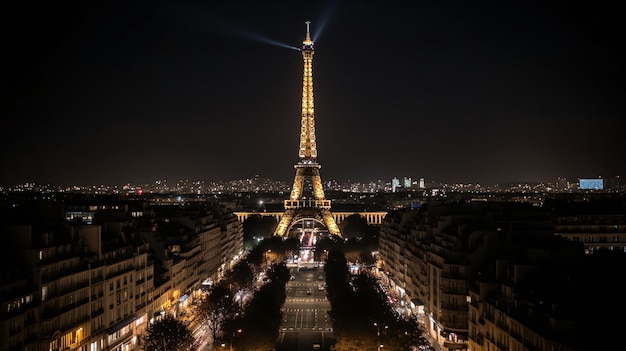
232,339
378,345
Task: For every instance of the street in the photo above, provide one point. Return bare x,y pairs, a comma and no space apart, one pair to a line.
306,323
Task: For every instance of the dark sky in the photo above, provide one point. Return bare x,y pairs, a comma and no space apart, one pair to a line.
452,91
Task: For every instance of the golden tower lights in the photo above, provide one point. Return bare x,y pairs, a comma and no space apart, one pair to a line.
307,198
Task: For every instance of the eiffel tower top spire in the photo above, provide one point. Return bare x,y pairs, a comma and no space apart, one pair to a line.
308,148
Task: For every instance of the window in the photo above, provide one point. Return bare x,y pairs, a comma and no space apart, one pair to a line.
54,345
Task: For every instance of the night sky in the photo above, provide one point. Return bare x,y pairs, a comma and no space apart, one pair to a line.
451,91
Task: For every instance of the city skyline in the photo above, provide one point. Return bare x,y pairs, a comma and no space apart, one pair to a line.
123,93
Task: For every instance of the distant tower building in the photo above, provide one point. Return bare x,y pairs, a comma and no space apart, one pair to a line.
591,184
407,182
562,184
307,199
395,183
612,183
422,183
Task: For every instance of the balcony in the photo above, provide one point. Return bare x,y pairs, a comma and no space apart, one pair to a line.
502,325
454,307
452,275
455,345
114,274
453,290
97,312
73,287
97,296
97,278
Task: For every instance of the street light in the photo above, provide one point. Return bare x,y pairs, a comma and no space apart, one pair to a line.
232,338
378,345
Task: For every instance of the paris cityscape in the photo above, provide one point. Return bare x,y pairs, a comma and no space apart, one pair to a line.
258,183
457,253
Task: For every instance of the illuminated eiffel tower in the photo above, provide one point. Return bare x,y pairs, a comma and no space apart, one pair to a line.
307,201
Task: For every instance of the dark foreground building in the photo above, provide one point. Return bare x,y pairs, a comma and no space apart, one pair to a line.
90,273
510,276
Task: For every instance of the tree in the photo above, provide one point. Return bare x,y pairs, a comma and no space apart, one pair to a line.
241,276
218,305
169,334
354,226
279,272
261,320
258,227
291,246
357,328
359,341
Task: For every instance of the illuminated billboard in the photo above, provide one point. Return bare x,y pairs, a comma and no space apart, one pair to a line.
591,184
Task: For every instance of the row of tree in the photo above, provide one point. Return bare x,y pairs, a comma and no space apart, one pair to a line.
362,316
169,334
241,315
237,314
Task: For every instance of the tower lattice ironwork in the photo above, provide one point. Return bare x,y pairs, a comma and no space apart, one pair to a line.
307,200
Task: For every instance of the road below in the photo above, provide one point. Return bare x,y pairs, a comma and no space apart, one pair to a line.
305,321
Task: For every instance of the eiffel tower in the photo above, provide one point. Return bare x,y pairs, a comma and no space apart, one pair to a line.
307,200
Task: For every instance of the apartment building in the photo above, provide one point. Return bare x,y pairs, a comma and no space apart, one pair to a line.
449,246
598,224
76,284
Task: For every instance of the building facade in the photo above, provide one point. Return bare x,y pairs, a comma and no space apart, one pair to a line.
464,269
91,286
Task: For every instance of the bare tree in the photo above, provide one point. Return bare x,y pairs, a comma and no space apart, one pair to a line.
169,334
216,308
